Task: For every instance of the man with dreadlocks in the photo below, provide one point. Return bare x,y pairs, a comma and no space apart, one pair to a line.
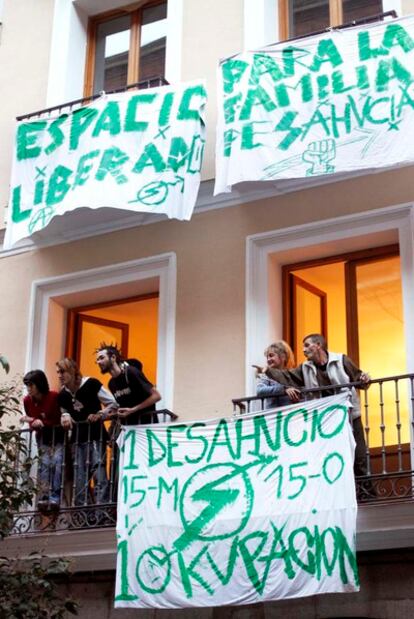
131,389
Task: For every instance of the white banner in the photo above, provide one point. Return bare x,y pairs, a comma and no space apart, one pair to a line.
137,150
239,510
338,102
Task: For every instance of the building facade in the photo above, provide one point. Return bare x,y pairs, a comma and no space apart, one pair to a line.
202,299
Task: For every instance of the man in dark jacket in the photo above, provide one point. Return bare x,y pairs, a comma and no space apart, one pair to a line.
134,393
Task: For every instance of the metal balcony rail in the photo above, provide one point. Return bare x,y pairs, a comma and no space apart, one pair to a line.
76,475
387,412
355,22
151,82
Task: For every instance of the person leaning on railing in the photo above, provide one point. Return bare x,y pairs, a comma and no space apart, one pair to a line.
43,415
80,400
279,356
323,368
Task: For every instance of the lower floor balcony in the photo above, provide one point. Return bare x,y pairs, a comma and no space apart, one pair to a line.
77,480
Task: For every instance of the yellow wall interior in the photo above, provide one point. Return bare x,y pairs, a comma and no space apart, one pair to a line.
142,318
380,333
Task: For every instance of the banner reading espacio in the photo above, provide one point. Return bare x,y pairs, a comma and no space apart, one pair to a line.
338,102
237,510
138,150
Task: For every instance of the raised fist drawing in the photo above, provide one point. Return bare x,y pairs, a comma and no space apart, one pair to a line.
319,155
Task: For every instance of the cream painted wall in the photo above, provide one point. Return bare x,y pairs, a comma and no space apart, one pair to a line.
24,60
55,341
407,7
210,324
211,30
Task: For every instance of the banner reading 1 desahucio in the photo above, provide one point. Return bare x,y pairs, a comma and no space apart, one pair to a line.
136,150
337,102
237,510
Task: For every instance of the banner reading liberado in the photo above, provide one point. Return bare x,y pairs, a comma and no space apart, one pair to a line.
137,150
337,102
238,510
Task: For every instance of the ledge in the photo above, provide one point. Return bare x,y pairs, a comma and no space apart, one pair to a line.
379,527
84,222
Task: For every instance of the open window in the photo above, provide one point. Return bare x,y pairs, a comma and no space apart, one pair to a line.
130,323
125,47
362,296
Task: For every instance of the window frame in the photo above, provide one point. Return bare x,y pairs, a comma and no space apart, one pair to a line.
134,42
335,16
351,259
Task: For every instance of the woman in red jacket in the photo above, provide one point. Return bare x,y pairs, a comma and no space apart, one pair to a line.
43,414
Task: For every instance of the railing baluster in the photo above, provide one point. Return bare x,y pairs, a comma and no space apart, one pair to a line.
63,467
382,428
367,430
398,425
75,450
148,83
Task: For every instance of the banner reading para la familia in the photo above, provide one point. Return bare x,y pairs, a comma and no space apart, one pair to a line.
338,102
138,150
237,510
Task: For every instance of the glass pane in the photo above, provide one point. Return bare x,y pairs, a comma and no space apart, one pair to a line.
111,56
153,41
307,16
381,345
358,9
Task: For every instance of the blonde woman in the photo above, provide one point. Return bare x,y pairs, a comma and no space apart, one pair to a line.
279,356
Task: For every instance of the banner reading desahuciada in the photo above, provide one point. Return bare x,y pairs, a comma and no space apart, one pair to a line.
338,102
237,510
137,150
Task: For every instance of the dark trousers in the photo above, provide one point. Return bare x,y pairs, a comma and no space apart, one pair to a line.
365,487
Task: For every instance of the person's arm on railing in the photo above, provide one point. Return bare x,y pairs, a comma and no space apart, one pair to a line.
153,398
110,406
355,374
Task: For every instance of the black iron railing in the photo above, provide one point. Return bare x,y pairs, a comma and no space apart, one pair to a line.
69,106
76,475
81,470
387,415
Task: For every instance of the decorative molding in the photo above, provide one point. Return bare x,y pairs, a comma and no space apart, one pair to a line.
261,247
85,223
162,267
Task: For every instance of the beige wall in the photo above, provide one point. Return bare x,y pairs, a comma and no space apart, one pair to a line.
24,62
211,31
407,7
210,324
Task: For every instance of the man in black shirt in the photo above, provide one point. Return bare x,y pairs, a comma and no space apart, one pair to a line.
131,389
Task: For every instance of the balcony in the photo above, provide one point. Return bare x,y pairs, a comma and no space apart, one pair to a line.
84,222
77,478
85,477
70,106
387,411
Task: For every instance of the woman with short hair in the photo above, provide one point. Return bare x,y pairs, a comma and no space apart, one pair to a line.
279,356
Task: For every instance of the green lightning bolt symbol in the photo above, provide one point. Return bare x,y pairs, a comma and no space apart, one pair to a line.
216,501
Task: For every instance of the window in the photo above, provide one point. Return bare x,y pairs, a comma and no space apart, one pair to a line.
125,47
302,17
355,301
131,323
